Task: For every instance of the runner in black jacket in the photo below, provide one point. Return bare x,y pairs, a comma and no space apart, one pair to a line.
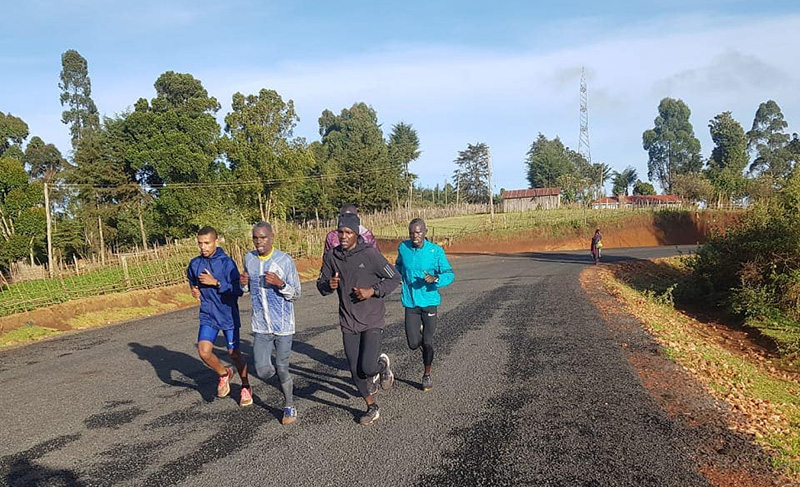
362,277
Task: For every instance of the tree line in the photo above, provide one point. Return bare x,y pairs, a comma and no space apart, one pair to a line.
742,165
166,167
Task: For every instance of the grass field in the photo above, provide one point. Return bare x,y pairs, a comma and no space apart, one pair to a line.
554,222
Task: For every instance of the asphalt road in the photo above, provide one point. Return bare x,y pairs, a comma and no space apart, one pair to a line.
530,389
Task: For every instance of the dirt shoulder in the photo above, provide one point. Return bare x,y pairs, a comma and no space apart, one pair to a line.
724,427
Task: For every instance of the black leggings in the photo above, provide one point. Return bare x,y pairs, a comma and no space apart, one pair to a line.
425,317
362,351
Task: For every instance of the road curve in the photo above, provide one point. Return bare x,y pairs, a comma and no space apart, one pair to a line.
530,389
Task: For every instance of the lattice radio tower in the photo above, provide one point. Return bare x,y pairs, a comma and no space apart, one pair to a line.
583,139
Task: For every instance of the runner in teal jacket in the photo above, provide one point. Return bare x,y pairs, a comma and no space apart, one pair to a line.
424,268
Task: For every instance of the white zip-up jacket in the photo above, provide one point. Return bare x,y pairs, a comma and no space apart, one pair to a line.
273,308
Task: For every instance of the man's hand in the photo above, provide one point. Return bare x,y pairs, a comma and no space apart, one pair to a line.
195,292
244,278
206,278
273,279
334,282
430,279
363,293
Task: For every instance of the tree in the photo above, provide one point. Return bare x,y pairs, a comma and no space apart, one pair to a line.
693,186
354,152
471,176
768,140
404,149
597,174
13,131
44,161
547,161
76,93
643,188
22,217
174,147
260,148
622,181
671,145
728,158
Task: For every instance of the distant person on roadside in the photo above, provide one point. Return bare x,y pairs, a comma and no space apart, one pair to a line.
332,238
424,268
214,280
597,245
362,277
271,276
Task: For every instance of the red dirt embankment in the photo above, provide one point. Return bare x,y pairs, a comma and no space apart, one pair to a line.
665,229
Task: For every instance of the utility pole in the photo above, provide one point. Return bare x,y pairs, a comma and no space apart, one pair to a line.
491,199
49,231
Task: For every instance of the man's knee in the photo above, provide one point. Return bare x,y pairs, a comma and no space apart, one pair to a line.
283,373
265,372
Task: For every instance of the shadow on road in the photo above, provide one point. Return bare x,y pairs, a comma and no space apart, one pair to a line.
24,473
165,361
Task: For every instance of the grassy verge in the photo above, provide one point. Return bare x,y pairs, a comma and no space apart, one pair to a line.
26,334
767,396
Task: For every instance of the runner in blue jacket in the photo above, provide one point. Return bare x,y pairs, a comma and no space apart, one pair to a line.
214,280
424,268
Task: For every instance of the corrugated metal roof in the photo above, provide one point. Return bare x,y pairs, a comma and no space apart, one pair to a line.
530,193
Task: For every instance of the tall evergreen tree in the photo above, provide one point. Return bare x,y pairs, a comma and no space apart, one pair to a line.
403,150
354,149
76,93
175,146
471,176
671,145
728,157
768,141
260,147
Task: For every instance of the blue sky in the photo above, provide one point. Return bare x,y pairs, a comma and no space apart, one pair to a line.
459,72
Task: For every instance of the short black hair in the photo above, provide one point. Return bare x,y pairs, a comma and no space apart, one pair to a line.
263,225
348,209
417,220
207,230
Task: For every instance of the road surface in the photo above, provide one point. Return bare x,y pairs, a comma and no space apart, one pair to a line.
530,389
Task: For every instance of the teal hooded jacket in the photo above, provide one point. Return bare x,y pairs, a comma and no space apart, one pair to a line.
413,263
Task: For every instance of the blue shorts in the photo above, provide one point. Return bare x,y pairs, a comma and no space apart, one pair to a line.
209,334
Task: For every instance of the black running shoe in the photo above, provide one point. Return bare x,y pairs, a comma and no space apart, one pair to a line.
387,377
371,415
427,383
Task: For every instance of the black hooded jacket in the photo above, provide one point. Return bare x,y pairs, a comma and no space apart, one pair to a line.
361,267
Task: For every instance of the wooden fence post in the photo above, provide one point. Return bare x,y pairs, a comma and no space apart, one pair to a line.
124,260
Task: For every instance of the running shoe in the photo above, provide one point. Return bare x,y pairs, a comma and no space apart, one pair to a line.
289,415
387,377
427,383
247,397
373,384
224,386
372,414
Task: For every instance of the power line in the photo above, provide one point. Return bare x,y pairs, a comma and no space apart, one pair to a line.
226,183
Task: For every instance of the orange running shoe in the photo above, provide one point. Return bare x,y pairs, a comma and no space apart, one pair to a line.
224,386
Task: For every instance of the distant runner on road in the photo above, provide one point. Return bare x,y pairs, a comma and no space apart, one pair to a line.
424,268
597,245
271,276
332,238
214,280
361,277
